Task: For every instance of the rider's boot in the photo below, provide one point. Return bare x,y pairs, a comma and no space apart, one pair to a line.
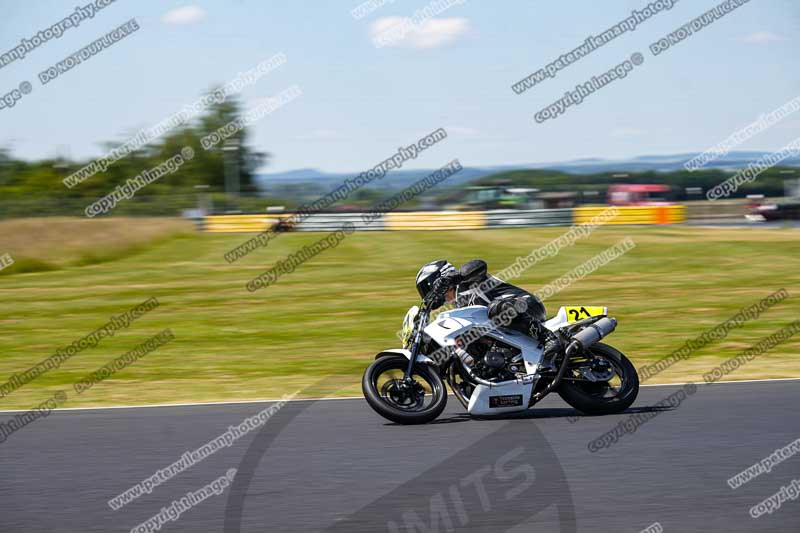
552,347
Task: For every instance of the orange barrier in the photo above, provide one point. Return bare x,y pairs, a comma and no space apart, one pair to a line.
634,214
450,220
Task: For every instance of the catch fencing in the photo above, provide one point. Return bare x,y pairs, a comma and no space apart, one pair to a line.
315,222
522,219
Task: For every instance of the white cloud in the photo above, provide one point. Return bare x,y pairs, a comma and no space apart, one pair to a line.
184,15
761,37
401,32
627,132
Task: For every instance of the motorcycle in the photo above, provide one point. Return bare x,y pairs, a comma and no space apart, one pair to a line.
492,369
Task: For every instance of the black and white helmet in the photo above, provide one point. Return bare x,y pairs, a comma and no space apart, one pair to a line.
431,272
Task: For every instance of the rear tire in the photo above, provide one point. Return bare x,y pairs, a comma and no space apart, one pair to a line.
384,407
575,394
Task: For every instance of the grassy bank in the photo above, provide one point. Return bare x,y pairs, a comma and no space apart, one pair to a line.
41,244
332,314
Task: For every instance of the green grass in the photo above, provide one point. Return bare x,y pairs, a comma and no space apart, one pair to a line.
44,244
329,317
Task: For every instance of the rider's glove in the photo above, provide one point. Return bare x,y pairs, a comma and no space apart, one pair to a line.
438,292
452,278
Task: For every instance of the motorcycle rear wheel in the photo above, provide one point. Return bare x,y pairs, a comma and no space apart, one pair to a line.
596,398
403,405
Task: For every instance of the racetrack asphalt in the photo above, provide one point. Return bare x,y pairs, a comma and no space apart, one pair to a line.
337,466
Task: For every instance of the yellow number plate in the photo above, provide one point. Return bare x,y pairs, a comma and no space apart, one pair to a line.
576,313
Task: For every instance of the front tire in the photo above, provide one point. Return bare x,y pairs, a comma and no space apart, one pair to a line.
404,406
601,398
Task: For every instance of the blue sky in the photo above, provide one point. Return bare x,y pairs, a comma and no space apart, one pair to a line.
361,102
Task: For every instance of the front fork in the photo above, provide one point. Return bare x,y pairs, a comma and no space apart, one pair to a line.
423,321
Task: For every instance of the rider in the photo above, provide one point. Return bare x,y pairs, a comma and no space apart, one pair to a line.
473,285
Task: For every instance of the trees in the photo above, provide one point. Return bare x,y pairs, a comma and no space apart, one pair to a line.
36,188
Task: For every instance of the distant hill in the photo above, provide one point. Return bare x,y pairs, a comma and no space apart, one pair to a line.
393,180
657,163
403,178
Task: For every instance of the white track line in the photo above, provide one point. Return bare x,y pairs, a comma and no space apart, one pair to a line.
244,402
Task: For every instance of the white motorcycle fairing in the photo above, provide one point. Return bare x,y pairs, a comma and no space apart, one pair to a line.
503,397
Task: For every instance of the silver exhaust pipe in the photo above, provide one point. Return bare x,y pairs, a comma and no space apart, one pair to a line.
580,341
594,332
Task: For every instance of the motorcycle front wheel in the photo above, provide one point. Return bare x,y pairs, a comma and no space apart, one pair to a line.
417,403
